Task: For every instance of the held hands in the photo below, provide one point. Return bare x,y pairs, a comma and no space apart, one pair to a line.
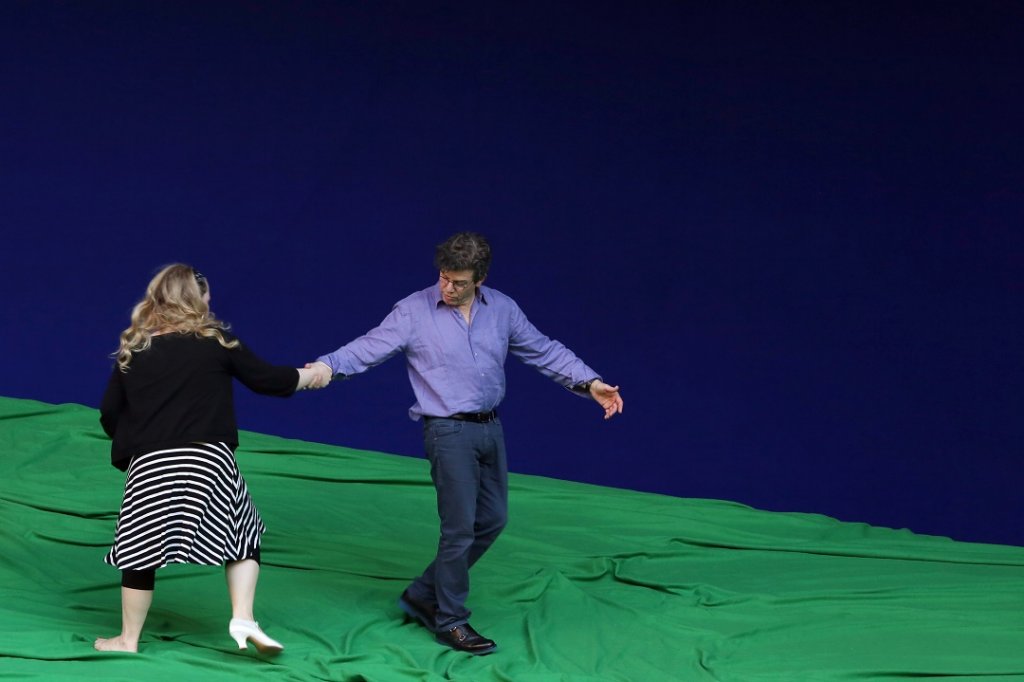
314,375
607,397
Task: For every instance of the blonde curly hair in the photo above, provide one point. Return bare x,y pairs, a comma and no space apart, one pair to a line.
174,302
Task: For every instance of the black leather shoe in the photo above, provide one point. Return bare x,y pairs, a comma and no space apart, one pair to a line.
420,610
465,638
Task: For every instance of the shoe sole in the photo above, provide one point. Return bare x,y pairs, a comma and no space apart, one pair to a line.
474,652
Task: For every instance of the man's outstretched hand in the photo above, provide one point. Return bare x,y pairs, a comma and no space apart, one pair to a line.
607,397
321,374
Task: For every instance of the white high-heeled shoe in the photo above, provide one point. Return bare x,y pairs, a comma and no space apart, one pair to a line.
243,631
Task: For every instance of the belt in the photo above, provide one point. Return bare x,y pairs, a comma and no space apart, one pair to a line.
478,417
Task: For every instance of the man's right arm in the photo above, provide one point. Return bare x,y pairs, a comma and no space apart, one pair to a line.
369,350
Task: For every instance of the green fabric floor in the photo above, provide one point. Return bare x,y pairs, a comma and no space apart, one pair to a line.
587,583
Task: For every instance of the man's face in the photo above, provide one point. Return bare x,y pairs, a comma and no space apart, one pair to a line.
457,286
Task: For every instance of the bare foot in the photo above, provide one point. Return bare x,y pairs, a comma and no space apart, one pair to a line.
116,644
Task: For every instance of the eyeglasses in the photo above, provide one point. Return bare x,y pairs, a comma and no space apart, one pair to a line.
457,284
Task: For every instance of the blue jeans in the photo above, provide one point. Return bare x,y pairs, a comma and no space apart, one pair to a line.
470,474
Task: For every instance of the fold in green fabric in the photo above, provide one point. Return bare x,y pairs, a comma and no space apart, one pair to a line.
586,583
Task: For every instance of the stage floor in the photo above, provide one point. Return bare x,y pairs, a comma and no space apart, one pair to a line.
586,583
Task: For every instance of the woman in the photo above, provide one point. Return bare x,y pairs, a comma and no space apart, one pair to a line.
168,408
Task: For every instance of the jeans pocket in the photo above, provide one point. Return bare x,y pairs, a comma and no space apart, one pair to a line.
442,428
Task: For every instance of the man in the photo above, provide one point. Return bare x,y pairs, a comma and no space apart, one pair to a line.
455,337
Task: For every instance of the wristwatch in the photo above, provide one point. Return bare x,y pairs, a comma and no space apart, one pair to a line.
584,387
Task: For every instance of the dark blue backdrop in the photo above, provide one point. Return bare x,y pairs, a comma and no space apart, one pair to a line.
791,233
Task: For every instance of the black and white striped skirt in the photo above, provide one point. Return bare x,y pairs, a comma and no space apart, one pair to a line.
185,505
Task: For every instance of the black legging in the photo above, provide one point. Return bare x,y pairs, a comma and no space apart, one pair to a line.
145,578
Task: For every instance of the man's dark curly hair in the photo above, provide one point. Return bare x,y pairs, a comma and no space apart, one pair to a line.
464,251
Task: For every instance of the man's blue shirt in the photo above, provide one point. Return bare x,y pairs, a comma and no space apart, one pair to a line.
454,366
